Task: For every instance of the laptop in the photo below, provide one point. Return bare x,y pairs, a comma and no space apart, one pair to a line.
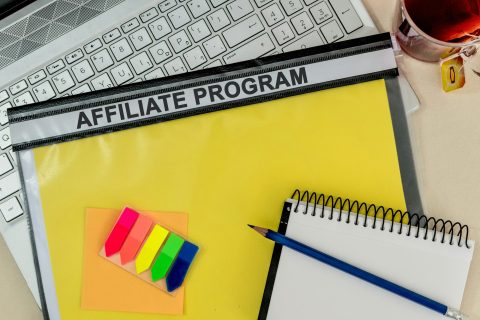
55,48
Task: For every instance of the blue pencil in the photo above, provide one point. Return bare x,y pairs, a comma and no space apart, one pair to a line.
359,273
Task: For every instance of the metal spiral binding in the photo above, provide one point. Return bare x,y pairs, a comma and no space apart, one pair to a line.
379,213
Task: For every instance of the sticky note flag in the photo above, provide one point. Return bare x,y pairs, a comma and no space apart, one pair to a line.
135,239
150,248
115,291
120,231
167,255
180,266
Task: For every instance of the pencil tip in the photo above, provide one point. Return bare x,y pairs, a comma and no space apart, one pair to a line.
262,231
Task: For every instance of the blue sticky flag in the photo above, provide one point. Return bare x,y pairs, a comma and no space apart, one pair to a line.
180,267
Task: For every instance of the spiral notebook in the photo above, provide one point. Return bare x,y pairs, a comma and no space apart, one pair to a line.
433,263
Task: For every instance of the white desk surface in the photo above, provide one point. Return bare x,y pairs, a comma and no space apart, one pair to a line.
447,136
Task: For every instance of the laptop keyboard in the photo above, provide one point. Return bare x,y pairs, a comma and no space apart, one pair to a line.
173,37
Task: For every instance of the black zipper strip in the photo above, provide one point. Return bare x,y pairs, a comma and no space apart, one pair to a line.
204,110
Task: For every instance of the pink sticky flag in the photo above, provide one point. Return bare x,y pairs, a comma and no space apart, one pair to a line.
120,231
135,239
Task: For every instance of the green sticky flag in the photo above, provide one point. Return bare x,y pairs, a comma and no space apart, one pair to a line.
167,255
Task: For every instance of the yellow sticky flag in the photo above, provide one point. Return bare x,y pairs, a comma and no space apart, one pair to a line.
150,248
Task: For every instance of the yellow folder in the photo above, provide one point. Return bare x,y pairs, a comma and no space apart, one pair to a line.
226,169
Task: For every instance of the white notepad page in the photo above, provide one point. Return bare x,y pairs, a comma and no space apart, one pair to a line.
308,289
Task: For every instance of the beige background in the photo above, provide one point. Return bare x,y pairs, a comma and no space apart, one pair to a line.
446,134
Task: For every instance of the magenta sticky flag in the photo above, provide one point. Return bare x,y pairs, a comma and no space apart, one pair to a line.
120,231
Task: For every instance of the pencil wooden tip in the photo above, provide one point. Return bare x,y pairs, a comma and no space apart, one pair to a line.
260,230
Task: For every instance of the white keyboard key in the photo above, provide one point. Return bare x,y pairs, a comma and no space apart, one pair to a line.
23,99
155,74
9,185
55,67
18,87
214,47
179,17
111,35
261,3
199,30
11,209
180,41
291,6
63,81
141,63
160,28
239,9
310,40
83,71
243,31
102,60
195,57
93,46
121,49
347,14
198,7
74,56
3,113
272,14
160,52
302,23
331,31
218,20
309,2
36,77
216,3
140,39
251,50
5,141
5,164
167,5
283,33
175,66
148,15
44,91
102,82
321,12
216,63
4,94
130,25
122,73
82,89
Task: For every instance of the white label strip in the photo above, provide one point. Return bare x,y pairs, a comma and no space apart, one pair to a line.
198,97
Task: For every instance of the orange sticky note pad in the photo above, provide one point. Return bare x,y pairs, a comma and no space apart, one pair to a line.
106,287
135,238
